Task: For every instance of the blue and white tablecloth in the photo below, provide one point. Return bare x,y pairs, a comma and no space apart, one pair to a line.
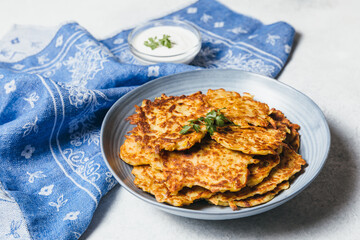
57,85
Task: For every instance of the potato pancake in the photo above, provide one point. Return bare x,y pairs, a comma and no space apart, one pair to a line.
241,110
135,153
209,165
283,124
262,169
159,122
290,164
254,140
252,201
152,181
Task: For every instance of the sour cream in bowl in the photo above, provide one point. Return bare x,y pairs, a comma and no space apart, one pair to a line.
165,41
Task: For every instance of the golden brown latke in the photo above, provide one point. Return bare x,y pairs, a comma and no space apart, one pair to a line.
135,153
254,140
159,122
290,164
153,181
283,124
208,165
241,110
262,169
252,201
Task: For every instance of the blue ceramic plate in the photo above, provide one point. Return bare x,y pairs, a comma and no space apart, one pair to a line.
315,134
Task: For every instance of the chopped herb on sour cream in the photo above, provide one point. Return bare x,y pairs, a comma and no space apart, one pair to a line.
153,42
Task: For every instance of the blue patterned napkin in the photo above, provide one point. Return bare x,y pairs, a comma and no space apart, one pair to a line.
52,104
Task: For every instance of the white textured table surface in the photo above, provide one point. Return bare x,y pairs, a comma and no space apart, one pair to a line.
324,66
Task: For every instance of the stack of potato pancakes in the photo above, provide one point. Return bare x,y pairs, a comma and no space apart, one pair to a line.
242,164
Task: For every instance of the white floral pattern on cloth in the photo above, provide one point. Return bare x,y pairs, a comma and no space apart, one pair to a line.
31,127
176,17
205,18
83,131
18,66
35,175
47,190
34,97
13,224
42,59
80,96
10,87
238,30
287,48
213,55
87,61
192,10
59,203
71,216
253,36
110,179
82,165
247,63
118,41
271,39
219,24
77,235
153,71
59,41
28,151
14,227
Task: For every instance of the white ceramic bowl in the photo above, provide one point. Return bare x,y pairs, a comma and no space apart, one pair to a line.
185,56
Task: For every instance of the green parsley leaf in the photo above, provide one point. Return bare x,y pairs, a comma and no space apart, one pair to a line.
219,121
185,129
155,43
209,121
211,129
196,127
211,114
212,120
165,41
152,43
